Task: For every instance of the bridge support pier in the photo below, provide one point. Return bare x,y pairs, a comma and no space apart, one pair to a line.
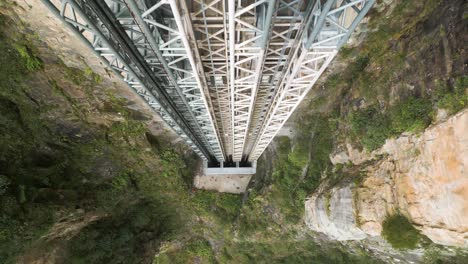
225,179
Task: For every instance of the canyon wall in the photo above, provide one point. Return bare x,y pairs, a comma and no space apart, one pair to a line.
424,177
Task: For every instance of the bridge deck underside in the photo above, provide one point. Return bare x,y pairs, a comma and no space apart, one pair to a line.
225,75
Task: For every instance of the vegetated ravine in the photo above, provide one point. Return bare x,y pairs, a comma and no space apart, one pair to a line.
88,175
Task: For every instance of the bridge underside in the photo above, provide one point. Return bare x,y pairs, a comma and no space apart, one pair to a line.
224,74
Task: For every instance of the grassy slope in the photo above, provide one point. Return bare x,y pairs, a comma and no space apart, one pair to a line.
60,167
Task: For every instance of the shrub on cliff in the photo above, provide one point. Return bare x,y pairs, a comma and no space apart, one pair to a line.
372,127
399,232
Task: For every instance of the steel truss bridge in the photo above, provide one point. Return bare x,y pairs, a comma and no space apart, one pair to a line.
224,74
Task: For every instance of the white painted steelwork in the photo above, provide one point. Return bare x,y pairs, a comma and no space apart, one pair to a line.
287,26
209,23
83,21
329,27
225,74
166,39
249,24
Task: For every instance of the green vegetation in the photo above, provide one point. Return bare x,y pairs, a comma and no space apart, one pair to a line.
96,78
432,255
256,217
90,184
287,251
30,61
134,187
359,65
372,127
327,203
400,233
20,222
196,250
287,182
119,239
224,207
298,169
321,145
404,18
201,248
86,78
456,98
413,115
58,168
379,73
299,155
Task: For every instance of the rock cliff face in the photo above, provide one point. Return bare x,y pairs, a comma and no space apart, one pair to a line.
424,177
333,214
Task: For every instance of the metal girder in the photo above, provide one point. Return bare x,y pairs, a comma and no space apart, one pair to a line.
210,28
224,74
162,38
116,52
249,28
328,28
287,28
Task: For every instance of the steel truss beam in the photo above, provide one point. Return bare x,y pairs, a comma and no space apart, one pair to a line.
224,74
249,29
329,27
163,37
287,27
85,20
210,27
